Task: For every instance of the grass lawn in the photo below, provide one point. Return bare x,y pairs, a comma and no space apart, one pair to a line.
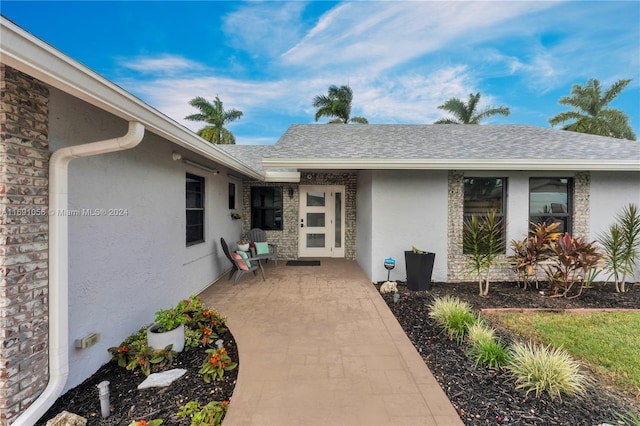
608,341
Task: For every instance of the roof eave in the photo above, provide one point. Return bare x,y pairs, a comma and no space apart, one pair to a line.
275,176
26,53
450,164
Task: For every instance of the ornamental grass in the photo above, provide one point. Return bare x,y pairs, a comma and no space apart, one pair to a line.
485,348
454,315
546,369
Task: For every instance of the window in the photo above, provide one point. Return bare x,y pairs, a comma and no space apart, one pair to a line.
195,209
550,201
232,196
482,195
266,208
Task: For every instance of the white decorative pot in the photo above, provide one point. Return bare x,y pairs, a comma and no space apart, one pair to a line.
243,247
174,337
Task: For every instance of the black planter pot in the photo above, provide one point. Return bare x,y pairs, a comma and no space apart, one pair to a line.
419,269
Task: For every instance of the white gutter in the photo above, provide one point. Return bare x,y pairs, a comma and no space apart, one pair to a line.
451,164
59,264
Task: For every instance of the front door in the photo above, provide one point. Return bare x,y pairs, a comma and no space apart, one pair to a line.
321,224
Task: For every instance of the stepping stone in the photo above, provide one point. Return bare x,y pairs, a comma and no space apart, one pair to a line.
158,380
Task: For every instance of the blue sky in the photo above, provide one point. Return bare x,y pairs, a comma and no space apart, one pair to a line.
401,58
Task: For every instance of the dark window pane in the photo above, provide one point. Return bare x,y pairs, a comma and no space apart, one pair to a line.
232,196
315,199
482,195
266,208
195,185
550,201
338,216
194,195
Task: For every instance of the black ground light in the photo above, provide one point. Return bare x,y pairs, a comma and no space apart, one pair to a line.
389,264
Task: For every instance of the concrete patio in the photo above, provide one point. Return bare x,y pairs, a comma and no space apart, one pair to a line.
319,346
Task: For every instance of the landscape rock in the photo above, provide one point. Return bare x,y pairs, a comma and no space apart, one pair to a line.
66,418
159,380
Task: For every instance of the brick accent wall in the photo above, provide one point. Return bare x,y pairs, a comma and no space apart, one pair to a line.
457,264
287,239
24,184
581,209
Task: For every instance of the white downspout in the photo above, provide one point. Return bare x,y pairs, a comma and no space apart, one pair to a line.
59,264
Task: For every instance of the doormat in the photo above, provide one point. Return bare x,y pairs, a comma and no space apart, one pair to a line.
303,263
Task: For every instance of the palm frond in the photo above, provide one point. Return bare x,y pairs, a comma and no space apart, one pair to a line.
591,113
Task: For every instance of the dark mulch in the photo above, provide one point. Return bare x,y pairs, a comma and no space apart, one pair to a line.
484,396
480,396
128,403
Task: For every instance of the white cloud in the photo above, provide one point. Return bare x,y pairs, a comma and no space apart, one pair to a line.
161,64
381,35
264,30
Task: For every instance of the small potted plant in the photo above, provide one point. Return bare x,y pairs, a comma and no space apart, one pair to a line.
168,329
243,244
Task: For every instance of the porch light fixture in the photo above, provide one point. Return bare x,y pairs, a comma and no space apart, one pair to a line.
291,192
175,156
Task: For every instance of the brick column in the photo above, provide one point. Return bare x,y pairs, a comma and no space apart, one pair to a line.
24,186
581,209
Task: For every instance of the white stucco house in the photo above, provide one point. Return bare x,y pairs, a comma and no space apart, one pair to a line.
111,210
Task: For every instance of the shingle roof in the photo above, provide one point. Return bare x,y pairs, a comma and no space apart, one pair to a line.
251,155
442,141
436,146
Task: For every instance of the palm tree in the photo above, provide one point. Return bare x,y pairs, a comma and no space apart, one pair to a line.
466,113
337,103
591,114
217,117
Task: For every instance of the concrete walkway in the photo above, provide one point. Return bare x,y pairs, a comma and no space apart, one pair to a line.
319,346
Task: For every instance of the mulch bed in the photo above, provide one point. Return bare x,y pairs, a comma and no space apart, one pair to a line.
483,396
128,403
480,396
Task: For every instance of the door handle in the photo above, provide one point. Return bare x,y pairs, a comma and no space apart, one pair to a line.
301,223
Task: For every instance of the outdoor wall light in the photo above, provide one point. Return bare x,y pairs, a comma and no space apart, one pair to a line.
176,156
291,192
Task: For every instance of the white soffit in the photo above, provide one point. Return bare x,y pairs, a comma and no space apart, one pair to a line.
272,176
447,164
25,52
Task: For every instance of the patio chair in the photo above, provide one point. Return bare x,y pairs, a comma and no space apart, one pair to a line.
261,248
240,264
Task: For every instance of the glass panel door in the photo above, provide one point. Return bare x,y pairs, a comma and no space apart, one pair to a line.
321,216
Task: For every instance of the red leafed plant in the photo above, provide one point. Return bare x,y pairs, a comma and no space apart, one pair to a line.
536,248
572,261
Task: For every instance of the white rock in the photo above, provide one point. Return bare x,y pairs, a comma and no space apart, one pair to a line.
158,380
389,287
67,419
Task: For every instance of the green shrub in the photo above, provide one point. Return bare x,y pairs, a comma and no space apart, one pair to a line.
452,314
483,243
622,246
215,364
209,415
546,369
484,347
